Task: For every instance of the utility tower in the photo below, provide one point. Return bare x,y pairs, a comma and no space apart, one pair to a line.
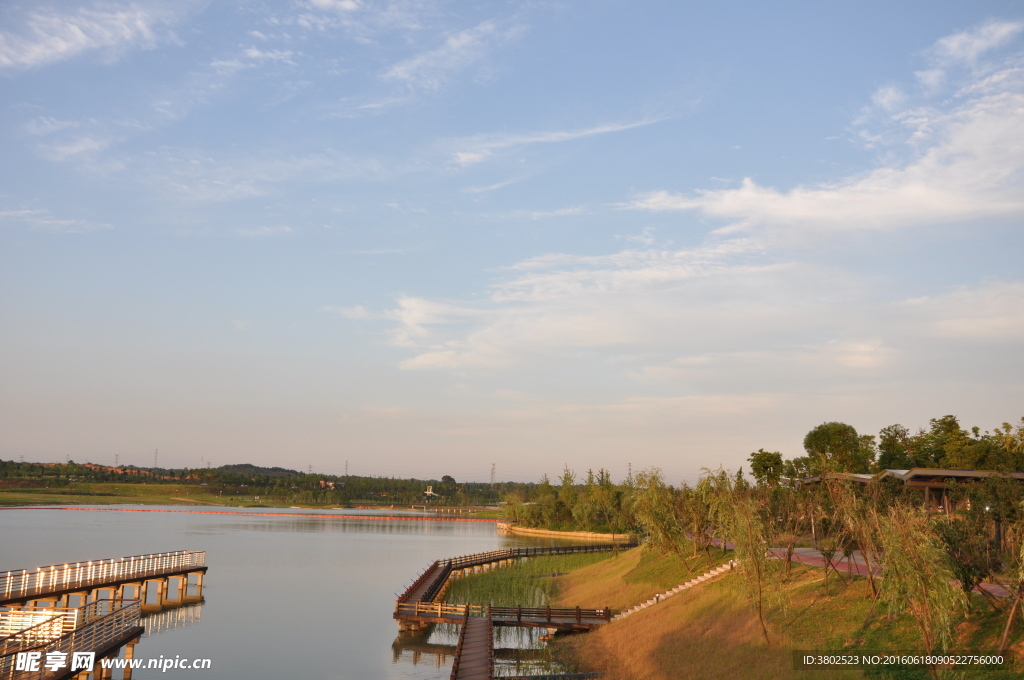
492,476
156,455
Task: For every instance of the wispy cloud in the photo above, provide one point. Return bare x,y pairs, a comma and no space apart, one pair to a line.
471,150
967,46
960,158
41,219
742,313
49,34
263,232
433,68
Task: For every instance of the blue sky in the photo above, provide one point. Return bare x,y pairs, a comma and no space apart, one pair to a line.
427,236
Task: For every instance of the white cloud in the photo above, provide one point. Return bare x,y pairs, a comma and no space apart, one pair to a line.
357,312
77,147
560,212
480,147
993,311
259,232
285,56
49,35
431,69
973,169
739,312
40,219
471,157
46,125
342,5
967,46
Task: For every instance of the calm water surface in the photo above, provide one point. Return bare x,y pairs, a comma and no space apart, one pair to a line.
285,597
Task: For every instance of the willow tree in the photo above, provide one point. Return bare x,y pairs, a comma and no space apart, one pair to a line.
917,577
655,509
742,512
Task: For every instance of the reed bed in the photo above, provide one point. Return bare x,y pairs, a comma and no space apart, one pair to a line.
528,582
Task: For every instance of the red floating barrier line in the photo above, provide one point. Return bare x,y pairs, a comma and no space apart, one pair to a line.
270,514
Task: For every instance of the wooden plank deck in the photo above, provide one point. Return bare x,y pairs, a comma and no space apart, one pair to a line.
475,658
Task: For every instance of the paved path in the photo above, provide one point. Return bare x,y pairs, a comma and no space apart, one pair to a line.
856,564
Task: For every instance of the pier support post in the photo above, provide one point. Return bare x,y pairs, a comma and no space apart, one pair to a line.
129,653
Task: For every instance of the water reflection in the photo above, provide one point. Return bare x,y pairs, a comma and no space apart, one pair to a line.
171,618
517,651
285,596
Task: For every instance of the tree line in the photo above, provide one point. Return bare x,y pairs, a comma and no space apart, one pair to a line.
923,554
270,484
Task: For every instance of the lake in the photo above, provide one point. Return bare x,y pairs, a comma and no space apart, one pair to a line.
284,596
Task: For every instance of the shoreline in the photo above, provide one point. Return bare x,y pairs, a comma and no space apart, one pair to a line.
585,535
264,514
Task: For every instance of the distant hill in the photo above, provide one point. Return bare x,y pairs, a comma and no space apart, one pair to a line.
250,469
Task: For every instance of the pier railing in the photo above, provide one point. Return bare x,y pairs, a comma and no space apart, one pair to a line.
101,624
439,571
95,572
475,559
29,632
442,610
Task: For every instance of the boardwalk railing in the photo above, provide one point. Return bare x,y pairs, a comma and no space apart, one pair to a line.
64,576
42,631
439,571
102,624
460,648
427,573
475,559
442,610
457,661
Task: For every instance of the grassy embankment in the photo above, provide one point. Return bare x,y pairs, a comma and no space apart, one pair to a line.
711,631
90,493
97,493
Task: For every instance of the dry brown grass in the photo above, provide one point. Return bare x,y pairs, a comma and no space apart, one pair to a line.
603,584
708,632
621,582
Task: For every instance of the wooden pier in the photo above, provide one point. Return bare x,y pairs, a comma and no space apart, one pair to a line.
37,616
420,606
100,628
474,655
54,585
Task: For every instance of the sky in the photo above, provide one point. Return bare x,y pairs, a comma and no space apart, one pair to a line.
420,237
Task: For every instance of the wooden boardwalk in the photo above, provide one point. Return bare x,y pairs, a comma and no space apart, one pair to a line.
420,605
60,580
474,655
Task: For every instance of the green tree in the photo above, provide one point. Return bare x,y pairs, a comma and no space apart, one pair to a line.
917,577
894,448
766,467
838,447
655,509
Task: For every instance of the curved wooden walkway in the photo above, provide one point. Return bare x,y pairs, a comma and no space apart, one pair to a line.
420,606
474,655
